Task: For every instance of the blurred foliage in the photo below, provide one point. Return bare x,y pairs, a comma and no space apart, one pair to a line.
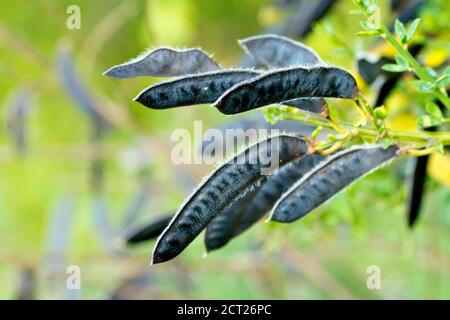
324,256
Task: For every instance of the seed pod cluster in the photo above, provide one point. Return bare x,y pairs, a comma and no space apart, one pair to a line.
200,80
165,62
225,185
280,172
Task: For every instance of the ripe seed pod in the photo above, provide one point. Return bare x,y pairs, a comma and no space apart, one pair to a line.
287,84
417,182
223,227
307,13
279,52
148,231
76,88
327,179
225,185
370,67
416,189
192,89
17,117
165,62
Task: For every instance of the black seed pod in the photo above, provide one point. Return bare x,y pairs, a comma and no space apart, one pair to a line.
287,84
223,227
327,179
275,187
246,211
165,62
279,52
148,231
192,89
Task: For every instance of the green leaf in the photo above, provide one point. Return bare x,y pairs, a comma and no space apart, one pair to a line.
443,81
423,86
367,25
386,143
434,111
401,61
333,113
394,68
271,114
412,28
432,72
446,71
400,30
426,121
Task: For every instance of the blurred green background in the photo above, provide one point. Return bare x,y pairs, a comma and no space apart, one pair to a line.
324,256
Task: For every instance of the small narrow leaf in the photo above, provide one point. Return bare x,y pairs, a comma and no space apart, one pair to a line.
400,30
434,111
401,61
423,86
412,28
394,68
426,121
446,71
443,81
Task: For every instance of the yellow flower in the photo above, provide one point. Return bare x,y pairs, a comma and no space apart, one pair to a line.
439,168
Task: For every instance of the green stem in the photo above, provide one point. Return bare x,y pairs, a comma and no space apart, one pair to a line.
418,69
422,137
